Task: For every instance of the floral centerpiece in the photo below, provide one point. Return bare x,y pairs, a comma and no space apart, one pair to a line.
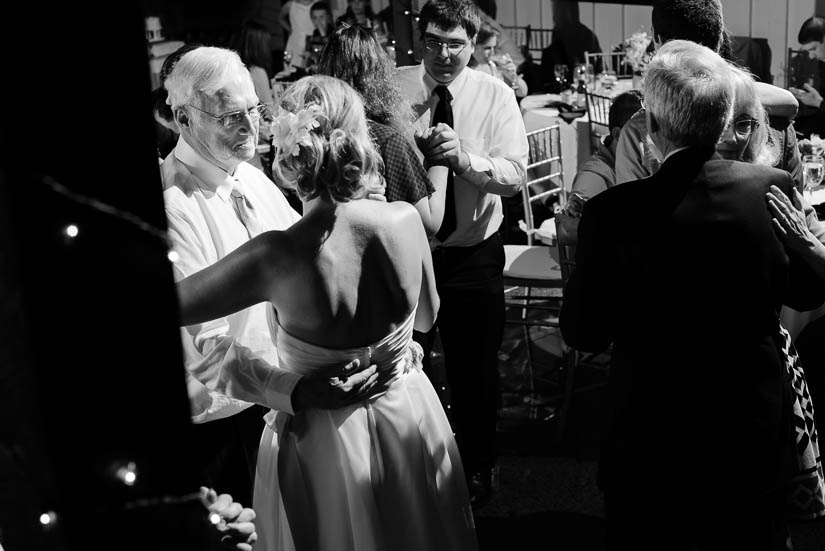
635,50
812,146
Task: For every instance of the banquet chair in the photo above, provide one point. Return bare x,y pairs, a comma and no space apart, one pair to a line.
598,114
537,40
532,276
519,35
602,61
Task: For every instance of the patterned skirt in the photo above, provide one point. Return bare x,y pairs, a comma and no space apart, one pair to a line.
806,496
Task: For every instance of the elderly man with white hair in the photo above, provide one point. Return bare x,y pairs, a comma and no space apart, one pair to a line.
682,273
215,202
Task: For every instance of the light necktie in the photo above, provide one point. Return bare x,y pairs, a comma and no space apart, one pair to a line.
444,113
246,213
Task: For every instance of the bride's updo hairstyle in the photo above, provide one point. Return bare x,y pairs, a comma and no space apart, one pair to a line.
322,144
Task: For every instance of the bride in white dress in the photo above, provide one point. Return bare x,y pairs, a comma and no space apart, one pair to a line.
350,280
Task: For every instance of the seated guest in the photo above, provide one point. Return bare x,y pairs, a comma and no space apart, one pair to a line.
688,293
598,173
701,21
322,20
571,39
485,59
354,55
811,39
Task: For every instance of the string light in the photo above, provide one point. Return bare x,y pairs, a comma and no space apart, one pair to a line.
406,12
410,52
127,473
173,256
48,518
215,518
104,208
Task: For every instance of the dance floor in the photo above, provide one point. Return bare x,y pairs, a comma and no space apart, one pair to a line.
546,495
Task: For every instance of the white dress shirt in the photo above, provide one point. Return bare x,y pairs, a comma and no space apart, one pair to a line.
491,130
230,362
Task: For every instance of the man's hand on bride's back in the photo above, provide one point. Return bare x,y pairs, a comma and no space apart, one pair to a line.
351,385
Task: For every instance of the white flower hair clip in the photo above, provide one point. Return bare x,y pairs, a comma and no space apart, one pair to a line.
291,130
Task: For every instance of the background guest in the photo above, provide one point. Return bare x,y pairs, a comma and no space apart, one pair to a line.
297,23
811,119
322,20
501,66
571,39
354,55
359,12
598,173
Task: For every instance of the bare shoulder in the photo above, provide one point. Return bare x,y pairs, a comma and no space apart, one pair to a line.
274,250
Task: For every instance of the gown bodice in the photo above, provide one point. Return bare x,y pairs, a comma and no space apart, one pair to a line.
304,358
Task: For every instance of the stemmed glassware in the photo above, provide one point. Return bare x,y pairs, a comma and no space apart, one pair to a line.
608,79
560,71
813,167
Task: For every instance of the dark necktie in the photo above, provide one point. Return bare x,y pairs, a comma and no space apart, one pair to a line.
246,213
444,113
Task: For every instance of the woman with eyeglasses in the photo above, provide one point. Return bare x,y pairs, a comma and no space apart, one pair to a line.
750,139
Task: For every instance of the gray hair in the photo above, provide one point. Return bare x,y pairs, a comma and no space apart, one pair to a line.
203,72
689,92
760,149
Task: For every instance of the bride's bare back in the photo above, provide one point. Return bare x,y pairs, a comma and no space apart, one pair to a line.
344,276
350,273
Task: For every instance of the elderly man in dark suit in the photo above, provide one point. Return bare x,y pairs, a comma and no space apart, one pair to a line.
682,273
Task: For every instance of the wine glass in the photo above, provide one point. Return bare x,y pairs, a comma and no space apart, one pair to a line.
590,75
813,167
608,79
580,73
560,71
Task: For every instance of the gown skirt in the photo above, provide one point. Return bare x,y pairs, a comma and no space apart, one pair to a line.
383,474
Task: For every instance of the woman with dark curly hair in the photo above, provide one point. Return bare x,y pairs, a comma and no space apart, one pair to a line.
351,279
354,55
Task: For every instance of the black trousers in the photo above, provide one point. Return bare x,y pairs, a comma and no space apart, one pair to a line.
225,452
470,325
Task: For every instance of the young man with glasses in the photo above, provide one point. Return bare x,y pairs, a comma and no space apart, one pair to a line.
215,202
469,121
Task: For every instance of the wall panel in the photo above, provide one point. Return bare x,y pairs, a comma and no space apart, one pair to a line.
608,25
776,20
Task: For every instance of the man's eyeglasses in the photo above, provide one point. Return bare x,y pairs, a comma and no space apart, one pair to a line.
744,127
435,46
236,118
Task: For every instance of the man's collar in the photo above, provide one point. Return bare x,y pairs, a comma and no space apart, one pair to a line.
214,177
454,87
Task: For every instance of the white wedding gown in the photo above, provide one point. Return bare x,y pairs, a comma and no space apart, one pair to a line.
381,475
